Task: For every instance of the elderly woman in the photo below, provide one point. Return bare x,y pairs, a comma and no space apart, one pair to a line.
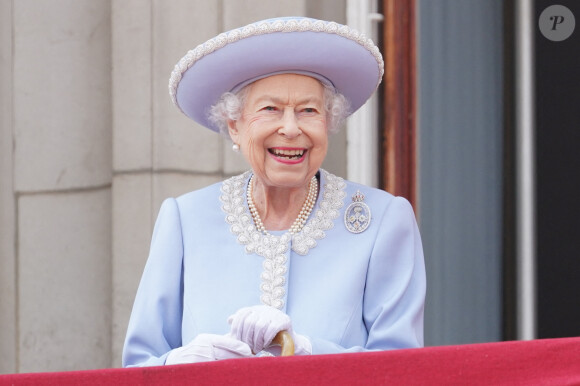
286,245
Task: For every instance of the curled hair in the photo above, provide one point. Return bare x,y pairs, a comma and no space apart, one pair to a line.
337,108
230,105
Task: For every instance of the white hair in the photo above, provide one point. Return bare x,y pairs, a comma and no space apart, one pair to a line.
230,105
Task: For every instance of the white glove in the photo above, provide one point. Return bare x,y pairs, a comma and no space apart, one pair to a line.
258,325
208,347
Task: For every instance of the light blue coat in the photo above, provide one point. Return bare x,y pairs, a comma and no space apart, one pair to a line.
345,291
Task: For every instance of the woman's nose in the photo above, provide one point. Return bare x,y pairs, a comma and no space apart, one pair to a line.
289,126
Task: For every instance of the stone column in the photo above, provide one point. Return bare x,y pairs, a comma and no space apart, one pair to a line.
132,143
62,178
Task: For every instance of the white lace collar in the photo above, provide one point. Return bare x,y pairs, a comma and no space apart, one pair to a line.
273,247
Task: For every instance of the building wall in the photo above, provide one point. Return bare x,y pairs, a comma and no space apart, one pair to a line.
90,145
56,180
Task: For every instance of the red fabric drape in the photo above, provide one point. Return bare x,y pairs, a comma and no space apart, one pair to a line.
538,362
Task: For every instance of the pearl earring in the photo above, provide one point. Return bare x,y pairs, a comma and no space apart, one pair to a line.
236,148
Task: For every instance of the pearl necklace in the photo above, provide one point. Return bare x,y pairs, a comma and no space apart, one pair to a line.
302,216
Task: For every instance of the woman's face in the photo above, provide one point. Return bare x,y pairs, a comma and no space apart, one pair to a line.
282,129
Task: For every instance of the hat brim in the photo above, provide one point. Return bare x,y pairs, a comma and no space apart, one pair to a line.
350,66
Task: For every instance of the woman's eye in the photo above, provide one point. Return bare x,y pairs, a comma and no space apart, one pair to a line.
309,110
269,108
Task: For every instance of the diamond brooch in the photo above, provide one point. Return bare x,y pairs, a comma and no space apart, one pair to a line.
357,216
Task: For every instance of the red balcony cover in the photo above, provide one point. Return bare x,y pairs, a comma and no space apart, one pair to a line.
537,362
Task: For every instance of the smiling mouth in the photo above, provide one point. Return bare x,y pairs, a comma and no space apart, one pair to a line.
291,155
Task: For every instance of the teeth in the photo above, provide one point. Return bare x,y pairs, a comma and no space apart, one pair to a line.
288,153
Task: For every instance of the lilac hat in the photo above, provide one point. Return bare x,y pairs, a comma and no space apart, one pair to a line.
333,53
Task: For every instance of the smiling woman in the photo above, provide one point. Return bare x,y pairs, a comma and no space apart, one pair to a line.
282,132
277,248
283,115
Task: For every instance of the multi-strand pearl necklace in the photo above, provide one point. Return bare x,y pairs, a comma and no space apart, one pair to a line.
302,216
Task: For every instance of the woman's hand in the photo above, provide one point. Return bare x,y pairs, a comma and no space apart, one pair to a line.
258,325
209,347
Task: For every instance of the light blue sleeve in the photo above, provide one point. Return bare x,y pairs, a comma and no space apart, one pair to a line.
394,296
155,324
